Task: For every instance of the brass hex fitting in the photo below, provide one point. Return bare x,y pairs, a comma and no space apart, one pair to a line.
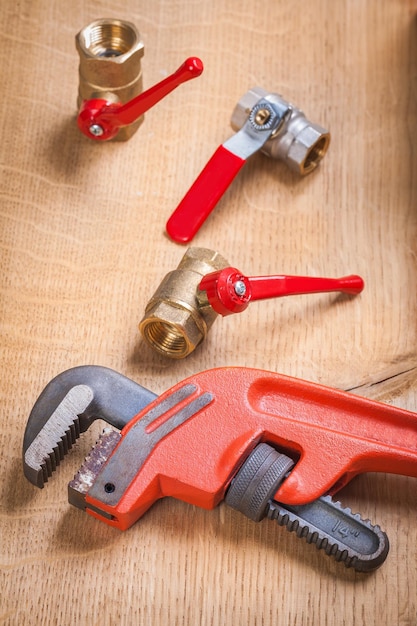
178,316
110,53
301,144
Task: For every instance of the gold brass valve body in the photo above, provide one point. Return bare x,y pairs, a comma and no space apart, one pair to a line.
110,53
178,316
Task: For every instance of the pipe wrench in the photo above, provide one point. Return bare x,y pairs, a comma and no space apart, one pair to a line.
269,445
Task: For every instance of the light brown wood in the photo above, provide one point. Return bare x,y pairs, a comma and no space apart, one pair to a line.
83,248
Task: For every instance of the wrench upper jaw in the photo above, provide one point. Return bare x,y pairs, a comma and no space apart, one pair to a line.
56,437
68,406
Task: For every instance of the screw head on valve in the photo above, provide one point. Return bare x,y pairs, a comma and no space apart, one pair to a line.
262,116
96,119
240,288
96,130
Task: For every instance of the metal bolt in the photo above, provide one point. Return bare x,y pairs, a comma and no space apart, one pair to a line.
96,130
240,288
262,116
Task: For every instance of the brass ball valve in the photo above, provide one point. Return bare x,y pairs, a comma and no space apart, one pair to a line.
110,102
189,299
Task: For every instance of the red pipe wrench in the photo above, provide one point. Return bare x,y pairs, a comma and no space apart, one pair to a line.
270,445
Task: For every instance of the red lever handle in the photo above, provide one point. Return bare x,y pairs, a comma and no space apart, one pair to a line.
203,195
229,291
222,168
101,120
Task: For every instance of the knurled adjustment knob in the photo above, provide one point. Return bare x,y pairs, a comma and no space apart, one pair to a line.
257,481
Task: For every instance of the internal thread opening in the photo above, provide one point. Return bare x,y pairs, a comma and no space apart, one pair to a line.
110,39
315,155
166,338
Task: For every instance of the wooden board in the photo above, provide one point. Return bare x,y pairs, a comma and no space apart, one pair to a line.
83,248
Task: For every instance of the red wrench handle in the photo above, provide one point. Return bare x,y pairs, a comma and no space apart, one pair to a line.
331,435
203,195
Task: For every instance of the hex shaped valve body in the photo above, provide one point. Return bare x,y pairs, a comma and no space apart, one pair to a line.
110,52
301,145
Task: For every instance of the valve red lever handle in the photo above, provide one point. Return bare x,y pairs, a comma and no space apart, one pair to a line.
101,120
204,194
229,291
222,168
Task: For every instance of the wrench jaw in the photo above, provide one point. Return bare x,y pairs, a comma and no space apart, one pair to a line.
56,437
85,477
68,406
111,486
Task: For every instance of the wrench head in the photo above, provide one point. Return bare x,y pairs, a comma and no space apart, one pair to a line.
57,435
68,406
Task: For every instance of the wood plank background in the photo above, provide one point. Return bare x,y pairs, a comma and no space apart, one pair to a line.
83,247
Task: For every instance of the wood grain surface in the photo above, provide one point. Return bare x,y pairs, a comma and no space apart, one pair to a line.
83,248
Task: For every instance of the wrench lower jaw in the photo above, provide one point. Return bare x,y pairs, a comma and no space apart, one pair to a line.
90,469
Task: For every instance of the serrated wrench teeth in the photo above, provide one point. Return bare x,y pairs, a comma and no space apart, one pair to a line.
57,436
68,406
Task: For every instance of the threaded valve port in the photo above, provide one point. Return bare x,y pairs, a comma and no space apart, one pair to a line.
109,38
166,338
315,155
